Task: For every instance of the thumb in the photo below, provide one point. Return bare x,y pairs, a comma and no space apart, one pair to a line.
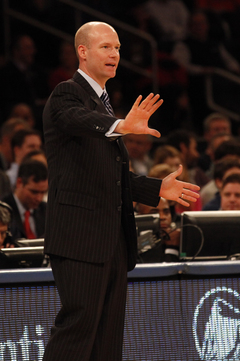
178,171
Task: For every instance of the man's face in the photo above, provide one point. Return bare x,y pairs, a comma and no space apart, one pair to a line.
216,127
31,142
230,197
3,230
164,213
137,145
31,194
100,60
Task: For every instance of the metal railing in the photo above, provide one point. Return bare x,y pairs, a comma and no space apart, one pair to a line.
229,84
15,14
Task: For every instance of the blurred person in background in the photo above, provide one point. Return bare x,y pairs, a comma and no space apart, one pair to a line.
168,248
28,208
7,131
5,219
230,193
139,146
24,111
23,142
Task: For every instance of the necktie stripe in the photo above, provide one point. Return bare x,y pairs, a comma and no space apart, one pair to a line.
105,99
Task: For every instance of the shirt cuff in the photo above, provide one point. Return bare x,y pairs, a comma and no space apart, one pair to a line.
171,251
110,132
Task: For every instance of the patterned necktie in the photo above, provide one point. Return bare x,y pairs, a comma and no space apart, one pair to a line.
105,99
28,231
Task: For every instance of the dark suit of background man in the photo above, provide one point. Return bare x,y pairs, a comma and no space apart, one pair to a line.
90,228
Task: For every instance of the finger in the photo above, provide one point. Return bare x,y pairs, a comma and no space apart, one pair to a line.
146,101
154,133
137,102
155,106
191,186
187,192
189,198
182,202
151,102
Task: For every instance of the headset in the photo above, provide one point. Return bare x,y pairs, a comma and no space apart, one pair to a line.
8,238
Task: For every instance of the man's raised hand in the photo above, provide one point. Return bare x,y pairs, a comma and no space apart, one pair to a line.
136,121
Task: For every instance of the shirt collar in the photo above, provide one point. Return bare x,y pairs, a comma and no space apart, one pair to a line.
21,208
98,89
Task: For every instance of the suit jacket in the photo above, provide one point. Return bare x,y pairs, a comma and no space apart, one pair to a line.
17,228
90,187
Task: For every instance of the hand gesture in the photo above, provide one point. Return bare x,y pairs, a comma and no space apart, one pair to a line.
136,121
178,191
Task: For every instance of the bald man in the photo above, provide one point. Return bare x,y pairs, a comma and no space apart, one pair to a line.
90,228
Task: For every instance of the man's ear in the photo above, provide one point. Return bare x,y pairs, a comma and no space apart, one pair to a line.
82,51
19,182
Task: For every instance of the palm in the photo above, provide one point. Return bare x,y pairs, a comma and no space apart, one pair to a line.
176,190
136,121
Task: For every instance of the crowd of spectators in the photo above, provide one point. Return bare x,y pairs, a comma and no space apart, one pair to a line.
193,38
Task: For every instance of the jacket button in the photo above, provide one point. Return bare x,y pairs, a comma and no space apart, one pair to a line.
118,158
119,208
118,183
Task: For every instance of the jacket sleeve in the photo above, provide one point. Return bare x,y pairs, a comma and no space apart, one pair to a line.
145,189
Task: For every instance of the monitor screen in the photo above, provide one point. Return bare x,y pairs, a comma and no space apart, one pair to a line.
209,234
19,257
148,231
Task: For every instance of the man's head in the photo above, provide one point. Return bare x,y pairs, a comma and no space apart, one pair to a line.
8,129
5,218
228,149
216,123
25,141
162,209
186,143
23,111
23,50
230,193
97,46
138,145
31,183
223,168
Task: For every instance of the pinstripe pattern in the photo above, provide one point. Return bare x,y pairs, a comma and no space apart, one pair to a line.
89,207
95,313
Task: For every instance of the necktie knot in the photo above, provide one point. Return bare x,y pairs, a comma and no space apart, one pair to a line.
105,99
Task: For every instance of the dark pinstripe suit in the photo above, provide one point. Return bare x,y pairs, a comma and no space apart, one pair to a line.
90,189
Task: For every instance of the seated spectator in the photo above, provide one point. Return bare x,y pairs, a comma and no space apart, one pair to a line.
211,192
21,80
68,64
23,142
171,156
230,193
200,54
28,209
139,146
8,129
213,125
5,219
186,143
24,111
167,250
